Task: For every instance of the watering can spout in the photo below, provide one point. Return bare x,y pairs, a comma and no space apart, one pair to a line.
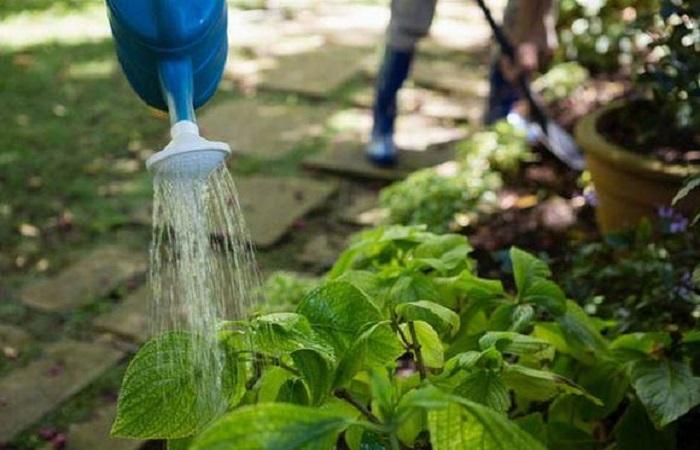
188,155
173,52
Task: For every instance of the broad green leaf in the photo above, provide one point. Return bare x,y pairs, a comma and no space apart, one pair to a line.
526,269
270,383
465,425
477,289
316,370
533,284
486,387
412,426
294,391
160,395
634,346
369,283
383,400
413,287
580,332
234,375
501,318
565,436
552,333
540,385
444,253
377,346
429,341
514,343
461,361
339,312
522,318
666,388
634,431
545,293
274,426
606,381
443,320
282,333
534,425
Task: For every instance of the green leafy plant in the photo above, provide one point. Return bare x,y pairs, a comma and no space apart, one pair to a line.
603,35
670,77
403,346
466,186
282,291
644,279
560,81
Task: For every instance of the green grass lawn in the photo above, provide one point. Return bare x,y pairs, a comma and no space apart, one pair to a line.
72,147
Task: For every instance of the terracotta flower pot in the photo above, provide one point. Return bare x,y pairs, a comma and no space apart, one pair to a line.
629,186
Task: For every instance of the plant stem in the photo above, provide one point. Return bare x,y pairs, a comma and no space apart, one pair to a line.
344,394
396,326
417,350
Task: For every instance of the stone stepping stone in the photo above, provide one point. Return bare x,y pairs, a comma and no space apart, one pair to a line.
322,250
65,368
347,158
94,434
13,340
316,73
423,101
94,276
263,130
413,131
129,319
272,205
363,210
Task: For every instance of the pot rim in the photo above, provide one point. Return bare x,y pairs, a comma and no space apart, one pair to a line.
595,144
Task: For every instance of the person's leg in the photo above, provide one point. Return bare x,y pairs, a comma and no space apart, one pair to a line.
410,21
529,26
503,95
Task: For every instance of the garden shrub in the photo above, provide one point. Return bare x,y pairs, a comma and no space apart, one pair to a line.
643,279
435,196
604,35
404,346
282,291
560,81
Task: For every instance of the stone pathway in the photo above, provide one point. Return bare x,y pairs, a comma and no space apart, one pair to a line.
317,73
272,205
347,158
262,129
94,433
64,369
129,319
299,116
92,277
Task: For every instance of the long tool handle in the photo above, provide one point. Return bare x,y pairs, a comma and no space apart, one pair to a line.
508,49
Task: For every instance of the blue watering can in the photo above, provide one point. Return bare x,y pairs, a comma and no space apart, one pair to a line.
173,52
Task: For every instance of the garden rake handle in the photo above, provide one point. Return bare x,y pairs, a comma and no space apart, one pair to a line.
508,50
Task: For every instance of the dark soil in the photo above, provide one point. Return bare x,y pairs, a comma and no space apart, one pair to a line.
638,126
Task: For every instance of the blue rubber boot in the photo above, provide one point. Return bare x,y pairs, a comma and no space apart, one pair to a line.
395,69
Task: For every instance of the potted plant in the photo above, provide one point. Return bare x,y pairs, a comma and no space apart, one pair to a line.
641,149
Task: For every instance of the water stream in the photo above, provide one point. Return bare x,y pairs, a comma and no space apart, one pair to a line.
203,268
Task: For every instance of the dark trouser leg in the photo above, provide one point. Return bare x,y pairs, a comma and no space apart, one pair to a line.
394,71
502,95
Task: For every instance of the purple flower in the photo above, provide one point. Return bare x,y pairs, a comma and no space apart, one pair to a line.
673,221
665,212
678,225
591,197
